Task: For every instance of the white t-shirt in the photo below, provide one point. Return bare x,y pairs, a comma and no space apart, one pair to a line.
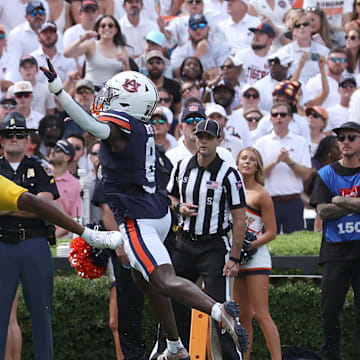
33,120
232,144
338,115
237,125
254,67
215,9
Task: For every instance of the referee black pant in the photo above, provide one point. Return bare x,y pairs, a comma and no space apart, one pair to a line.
206,259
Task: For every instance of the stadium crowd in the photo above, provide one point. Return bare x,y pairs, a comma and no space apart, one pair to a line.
276,75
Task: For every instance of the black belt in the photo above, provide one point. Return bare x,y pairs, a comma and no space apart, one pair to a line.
20,234
186,235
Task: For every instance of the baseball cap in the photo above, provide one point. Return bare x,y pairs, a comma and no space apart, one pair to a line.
13,121
197,19
193,110
165,113
215,108
156,37
345,77
23,86
318,109
224,83
264,28
85,83
283,60
89,3
210,127
66,147
248,87
350,125
32,5
28,58
154,54
48,25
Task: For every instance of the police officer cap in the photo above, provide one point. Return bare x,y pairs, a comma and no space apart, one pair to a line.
210,127
14,121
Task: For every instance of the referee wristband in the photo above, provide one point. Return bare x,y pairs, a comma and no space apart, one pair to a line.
234,259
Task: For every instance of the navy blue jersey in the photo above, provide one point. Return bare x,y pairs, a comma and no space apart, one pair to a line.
129,175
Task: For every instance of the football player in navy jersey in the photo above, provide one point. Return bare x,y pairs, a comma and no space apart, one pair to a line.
127,156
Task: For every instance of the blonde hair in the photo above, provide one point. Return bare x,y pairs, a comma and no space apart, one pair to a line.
259,173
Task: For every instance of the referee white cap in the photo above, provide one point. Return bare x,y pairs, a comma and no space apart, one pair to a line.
210,127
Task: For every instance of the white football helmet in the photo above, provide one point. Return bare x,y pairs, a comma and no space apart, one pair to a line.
130,92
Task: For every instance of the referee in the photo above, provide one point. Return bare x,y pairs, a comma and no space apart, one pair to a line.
208,195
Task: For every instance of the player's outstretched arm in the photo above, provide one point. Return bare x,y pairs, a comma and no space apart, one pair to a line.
75,110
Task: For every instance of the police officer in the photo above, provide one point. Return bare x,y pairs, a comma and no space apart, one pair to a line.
205,190
24,251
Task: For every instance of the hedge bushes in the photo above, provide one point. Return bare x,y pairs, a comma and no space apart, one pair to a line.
80,319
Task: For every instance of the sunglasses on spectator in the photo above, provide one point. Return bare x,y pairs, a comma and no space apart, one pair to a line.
158,121
23,95
193,1
350,137
2,36
191,120
84,91
336,59
94,153
187,90
18,135
165,100
35,12
314,114
348,85
254,118
352,37
223,67
8,106
196,26
252,95
109,25
304,24
281,114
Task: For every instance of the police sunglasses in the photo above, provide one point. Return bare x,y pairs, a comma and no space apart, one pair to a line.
18,135
35,12
350,137
198,26
191,120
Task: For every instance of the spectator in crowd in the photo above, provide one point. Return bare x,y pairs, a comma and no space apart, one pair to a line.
69,187
289,92
353,50
253,116
136,26
278,73
79,160
105,7
43,102
339,113
161,120
155,66
223,94
51,48
211,54
250,98
190,89
216,9
23,39
154,40
33,146
354,22
191,115
254,60
335,197
292,52
7,104
191,69
251,286
236,27
89,12
317,118
106,56
59,13
5,60
287,164
230,142
51,129
320,28
166,100
23,92
336,64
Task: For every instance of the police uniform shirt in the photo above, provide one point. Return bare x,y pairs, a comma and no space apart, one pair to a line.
34,174
216,190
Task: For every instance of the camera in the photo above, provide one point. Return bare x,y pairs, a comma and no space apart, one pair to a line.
314,56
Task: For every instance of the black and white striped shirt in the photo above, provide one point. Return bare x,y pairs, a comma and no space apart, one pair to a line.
216,190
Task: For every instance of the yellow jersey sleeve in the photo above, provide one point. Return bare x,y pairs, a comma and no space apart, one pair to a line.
10,194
